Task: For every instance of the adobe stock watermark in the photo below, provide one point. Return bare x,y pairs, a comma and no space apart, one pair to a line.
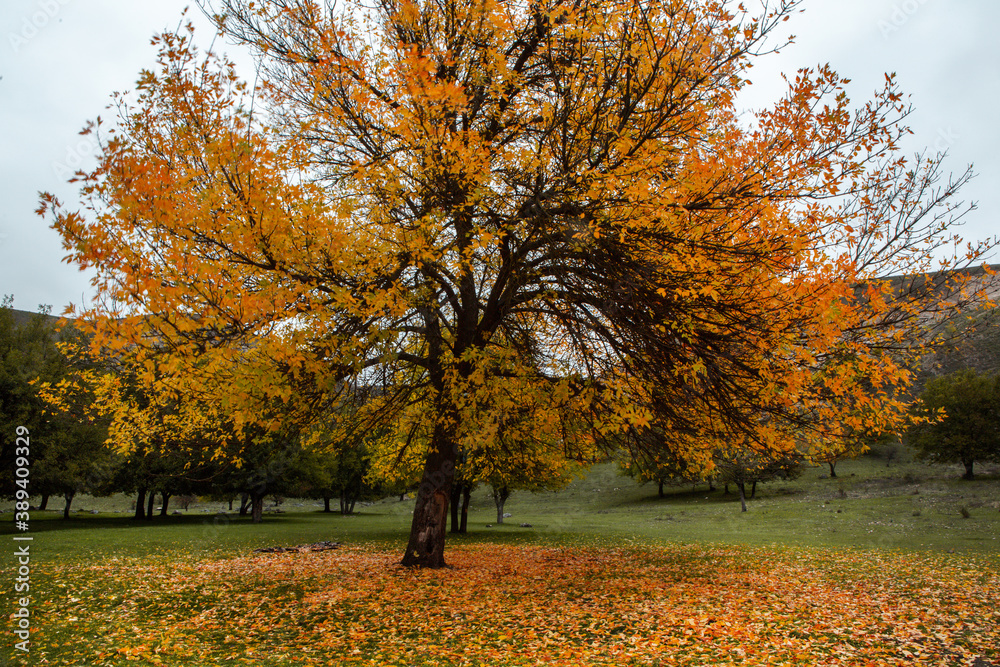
900,15
33,23
946,138
86,147
21,618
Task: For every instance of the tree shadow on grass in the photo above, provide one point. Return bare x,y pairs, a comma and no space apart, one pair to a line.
40,523
685,496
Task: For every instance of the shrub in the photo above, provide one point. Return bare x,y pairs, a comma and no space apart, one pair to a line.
961,425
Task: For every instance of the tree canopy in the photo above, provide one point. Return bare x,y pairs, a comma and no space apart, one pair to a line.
447,213
960,420
66,445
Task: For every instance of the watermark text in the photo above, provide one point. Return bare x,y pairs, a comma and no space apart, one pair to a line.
22,546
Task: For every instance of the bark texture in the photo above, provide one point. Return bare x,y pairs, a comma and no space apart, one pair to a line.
140,505
466,498
430,516
257,507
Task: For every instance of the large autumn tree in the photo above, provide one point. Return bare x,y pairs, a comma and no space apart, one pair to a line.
423,217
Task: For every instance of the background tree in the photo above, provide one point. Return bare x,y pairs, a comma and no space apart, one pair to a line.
351,479
73,460
312,476
262,464
26,348
507,473
461,494
961,420
658,463
174,471
742,465
67,453
480,203
847,446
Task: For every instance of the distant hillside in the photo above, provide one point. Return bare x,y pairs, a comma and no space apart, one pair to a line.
976,341
979,349
977,345
979,274
22,317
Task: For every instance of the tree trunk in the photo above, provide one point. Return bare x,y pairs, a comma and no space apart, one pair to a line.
430,515
166,501
456,494
725,489
711,485
45,502
230,503
140,505
326,503
753,490
257,501
69,501
968,470
466,497
743,498
833,468
659,489
150,501
347,500
244,503
500,497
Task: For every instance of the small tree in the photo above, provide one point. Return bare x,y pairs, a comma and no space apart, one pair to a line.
537,471
745,465
960,413
312,476
350,479
835,450
661,465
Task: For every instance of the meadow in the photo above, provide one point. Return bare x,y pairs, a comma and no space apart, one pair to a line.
891,563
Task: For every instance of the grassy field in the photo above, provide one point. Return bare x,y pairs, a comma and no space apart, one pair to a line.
871,504
898,551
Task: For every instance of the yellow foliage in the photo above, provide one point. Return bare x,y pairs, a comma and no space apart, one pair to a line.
544,225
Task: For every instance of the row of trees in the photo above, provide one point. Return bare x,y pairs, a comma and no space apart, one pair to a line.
158,451
72,440
957,423
956,420
740,467
67,448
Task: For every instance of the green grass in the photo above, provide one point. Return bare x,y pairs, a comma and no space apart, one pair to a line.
110,577
902,505
871,504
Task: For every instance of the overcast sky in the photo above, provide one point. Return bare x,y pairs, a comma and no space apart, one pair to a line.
60,60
